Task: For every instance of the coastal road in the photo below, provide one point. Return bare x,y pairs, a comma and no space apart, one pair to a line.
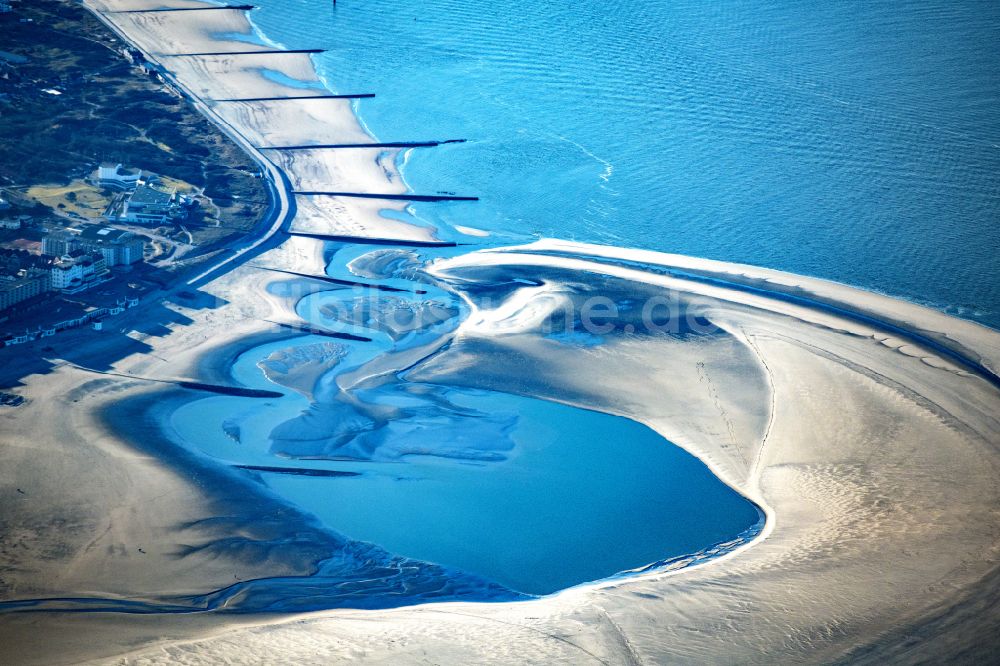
281,201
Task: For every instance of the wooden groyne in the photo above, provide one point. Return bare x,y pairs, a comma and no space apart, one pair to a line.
300,471
343,283
390,197
238,391
364,240
242,8
312,330
233,53
393,144
293,97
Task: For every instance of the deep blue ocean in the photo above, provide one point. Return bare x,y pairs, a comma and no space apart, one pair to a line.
858,142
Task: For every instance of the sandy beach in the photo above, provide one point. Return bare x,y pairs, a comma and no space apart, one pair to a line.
864,427
283,122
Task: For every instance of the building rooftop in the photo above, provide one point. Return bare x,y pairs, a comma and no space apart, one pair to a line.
8,284
144,194
56,311
26,244
67,261
101,233
13,261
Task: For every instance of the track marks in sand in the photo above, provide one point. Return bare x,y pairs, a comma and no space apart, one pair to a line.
755,468
713,393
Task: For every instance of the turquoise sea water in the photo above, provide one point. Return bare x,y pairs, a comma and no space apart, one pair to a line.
858,142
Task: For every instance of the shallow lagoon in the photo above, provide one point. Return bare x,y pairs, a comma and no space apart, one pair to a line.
564,496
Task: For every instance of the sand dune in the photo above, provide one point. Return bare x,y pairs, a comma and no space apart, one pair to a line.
876,468
861,454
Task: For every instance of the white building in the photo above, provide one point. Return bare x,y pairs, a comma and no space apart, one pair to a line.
74,274
149,205
116,177
14,222
118,246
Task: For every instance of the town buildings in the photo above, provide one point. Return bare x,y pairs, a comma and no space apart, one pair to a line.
12,261
25,275
72,260
118,247
21,286
22,276
144,200
15,222
148,204
78,272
